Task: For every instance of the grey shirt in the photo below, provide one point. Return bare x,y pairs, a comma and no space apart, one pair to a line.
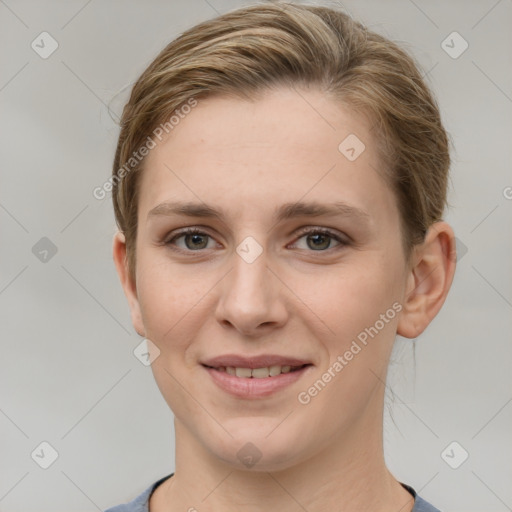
140,503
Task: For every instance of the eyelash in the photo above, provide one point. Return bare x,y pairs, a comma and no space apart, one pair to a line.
300,234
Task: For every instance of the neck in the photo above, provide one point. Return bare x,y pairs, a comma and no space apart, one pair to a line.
348,474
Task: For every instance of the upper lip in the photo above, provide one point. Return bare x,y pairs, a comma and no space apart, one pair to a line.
262,361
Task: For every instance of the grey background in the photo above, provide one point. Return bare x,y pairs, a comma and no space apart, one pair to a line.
68,375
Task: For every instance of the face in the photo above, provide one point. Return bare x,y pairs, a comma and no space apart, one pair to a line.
266,281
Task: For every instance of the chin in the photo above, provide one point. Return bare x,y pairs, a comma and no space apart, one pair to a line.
260,448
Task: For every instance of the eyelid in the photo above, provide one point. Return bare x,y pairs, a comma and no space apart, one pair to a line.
338,235
190,230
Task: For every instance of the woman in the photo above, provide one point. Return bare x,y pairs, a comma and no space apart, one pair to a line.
279,185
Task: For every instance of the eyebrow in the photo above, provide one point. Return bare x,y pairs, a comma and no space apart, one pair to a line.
283,212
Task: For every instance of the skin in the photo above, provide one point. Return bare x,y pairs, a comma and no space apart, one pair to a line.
301,297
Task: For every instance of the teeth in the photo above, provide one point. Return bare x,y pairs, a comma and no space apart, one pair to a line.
274,370
243,372
258,373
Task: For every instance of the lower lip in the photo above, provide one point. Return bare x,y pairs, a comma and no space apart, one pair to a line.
252,387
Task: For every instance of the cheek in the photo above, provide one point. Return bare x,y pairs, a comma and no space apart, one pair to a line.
172,302
351,297
356,303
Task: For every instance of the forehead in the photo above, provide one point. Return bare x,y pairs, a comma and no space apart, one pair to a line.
285,146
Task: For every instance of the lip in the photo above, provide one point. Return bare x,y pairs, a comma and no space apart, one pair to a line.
261,361
254,388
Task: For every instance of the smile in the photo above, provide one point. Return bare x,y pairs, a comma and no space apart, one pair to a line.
258,373
250,383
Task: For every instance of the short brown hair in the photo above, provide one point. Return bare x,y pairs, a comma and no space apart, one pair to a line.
255,48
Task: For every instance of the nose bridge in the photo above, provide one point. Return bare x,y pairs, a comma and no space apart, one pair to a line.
249,282
250,296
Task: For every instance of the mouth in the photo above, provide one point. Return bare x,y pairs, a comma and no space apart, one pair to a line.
259,382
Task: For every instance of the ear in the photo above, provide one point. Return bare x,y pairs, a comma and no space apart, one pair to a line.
129,285
429,280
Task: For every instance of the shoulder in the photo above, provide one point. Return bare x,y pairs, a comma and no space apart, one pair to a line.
420,505
140,503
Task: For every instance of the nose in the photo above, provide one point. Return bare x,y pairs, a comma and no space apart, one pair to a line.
252,297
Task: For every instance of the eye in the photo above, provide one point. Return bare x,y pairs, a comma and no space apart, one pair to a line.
193,238
320,239
317,239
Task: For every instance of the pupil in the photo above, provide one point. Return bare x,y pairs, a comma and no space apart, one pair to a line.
196,238
321,235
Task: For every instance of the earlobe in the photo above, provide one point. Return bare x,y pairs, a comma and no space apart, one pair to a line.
429,280
128,284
